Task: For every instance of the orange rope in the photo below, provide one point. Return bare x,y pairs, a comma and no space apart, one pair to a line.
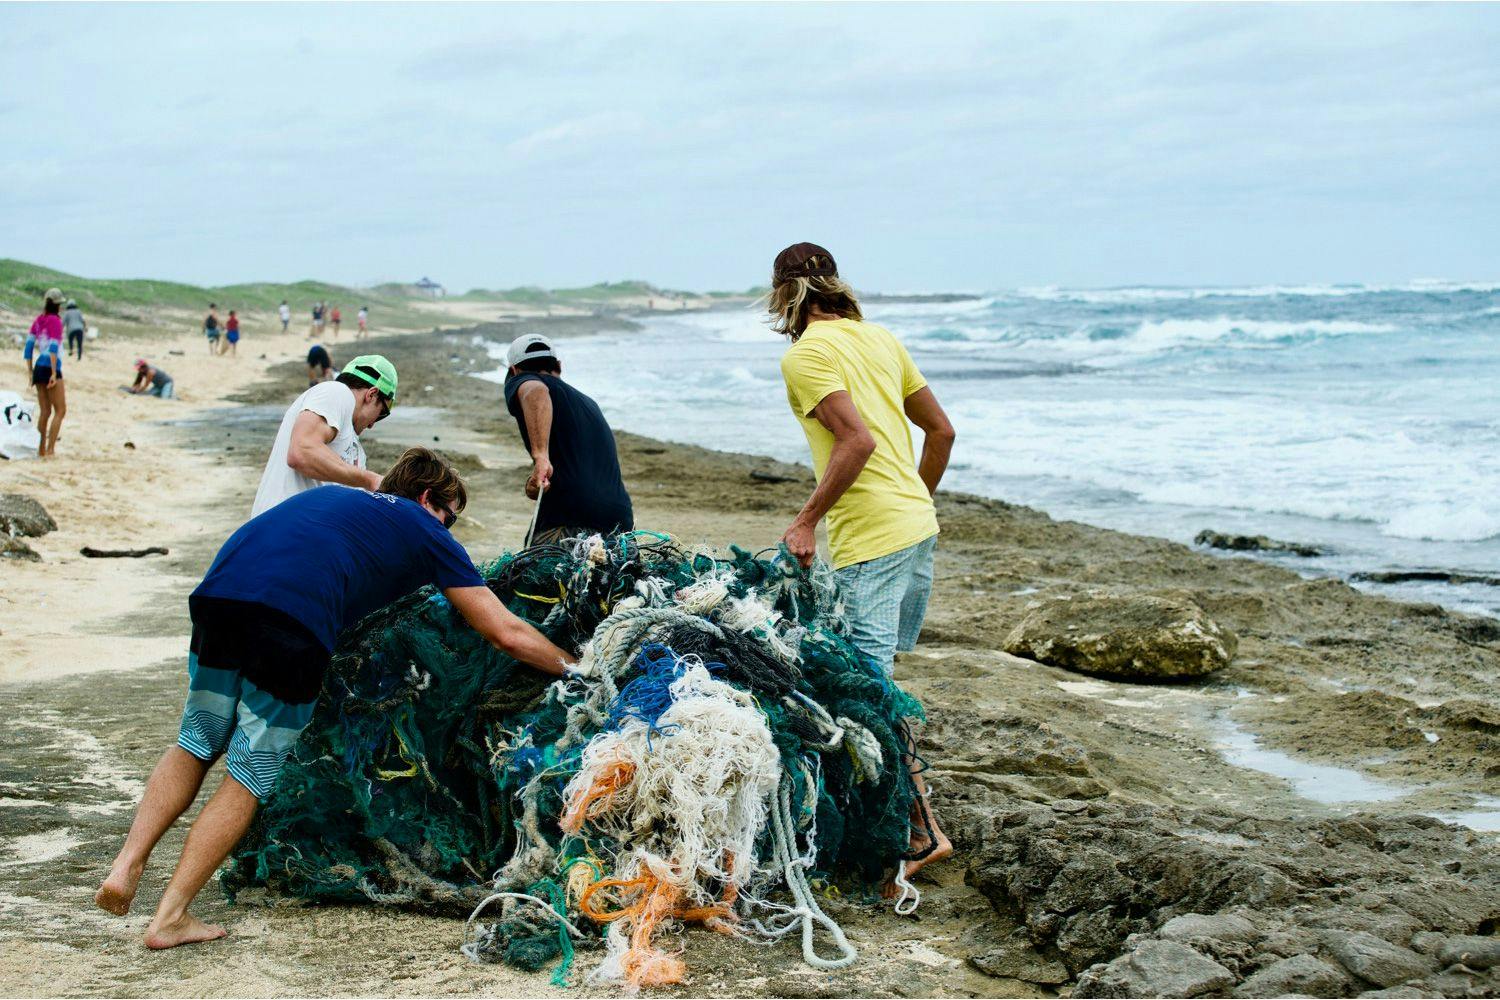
598,797
652,902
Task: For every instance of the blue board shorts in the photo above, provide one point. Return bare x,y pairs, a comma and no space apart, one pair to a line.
253,680
228,716
885,600
42,374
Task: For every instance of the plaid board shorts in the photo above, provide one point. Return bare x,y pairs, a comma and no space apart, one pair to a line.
227,716
886,601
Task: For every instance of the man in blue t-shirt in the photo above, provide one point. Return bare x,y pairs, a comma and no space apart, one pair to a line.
574,462
265,620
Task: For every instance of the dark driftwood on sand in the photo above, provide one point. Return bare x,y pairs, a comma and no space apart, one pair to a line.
93,553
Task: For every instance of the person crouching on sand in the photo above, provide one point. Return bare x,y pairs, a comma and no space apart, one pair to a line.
152,381
318,441
852,387
319,365
265,620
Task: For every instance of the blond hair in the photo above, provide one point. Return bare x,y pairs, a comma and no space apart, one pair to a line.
791,302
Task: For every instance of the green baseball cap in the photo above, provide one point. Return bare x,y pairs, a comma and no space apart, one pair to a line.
376,370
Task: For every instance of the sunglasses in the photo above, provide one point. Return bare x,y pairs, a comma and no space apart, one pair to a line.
385,409
448,516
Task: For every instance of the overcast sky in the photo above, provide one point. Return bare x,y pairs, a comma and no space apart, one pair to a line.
928,147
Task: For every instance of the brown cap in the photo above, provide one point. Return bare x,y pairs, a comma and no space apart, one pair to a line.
802,260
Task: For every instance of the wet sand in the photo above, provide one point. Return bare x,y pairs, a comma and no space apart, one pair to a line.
1339,704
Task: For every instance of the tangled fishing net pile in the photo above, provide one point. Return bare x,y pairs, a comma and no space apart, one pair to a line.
731,747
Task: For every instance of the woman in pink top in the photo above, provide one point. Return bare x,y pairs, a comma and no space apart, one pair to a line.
44,364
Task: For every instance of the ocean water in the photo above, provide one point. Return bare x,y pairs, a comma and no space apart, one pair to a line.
1363,419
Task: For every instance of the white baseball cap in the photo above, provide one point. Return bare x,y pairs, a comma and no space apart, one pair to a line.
528,346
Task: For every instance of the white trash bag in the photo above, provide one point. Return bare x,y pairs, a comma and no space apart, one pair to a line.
18,434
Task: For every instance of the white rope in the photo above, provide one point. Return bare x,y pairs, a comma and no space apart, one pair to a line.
536,512
470,948
911,896
807,911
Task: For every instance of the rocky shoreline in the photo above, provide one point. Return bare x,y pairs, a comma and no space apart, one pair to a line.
1272,824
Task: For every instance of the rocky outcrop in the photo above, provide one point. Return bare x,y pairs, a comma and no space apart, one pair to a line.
1255,543
1136,638
1156,969
1138,900
21,515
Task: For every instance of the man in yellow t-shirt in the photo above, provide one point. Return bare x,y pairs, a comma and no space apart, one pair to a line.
853,387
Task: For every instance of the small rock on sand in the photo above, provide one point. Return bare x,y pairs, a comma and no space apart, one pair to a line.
14,548
1137,637
21,515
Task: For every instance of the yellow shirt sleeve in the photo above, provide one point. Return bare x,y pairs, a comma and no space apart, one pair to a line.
911,376
811,375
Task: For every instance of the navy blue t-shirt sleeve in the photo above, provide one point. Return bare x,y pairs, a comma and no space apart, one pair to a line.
451,565
512,391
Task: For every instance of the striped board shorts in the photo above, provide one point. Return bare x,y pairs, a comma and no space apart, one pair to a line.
885,600
228,716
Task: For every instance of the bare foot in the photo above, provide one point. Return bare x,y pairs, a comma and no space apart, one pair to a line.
118,891
186,929
943,850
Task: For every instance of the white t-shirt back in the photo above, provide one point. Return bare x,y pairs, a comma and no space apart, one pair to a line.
334,402
285,312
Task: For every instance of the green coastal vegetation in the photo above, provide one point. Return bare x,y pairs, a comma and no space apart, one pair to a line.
23,284
140,301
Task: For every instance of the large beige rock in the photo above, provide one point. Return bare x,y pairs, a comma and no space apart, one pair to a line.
1136,638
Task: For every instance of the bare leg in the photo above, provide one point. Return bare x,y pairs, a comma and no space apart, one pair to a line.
172,788
43,418
922,816
59,410
218,828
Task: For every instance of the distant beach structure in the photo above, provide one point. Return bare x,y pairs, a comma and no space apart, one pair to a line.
430,287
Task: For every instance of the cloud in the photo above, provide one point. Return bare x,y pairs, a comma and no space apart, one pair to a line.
946,145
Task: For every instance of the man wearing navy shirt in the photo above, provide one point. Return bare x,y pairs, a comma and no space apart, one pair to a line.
265,620
574,463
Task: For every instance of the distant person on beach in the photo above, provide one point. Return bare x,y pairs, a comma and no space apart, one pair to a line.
572,448
335,317
211,328
232,333
152,381
318,441
319,365
364,321
75,327
285,312
853,387
317,320
43,357
265,619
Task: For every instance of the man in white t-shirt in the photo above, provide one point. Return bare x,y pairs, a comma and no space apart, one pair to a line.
285,312
318,441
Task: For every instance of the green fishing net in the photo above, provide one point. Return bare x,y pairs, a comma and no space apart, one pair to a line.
434,766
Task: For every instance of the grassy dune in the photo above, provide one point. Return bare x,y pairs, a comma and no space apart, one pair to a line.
133,300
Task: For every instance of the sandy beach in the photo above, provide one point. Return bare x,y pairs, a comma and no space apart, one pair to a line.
1337,779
